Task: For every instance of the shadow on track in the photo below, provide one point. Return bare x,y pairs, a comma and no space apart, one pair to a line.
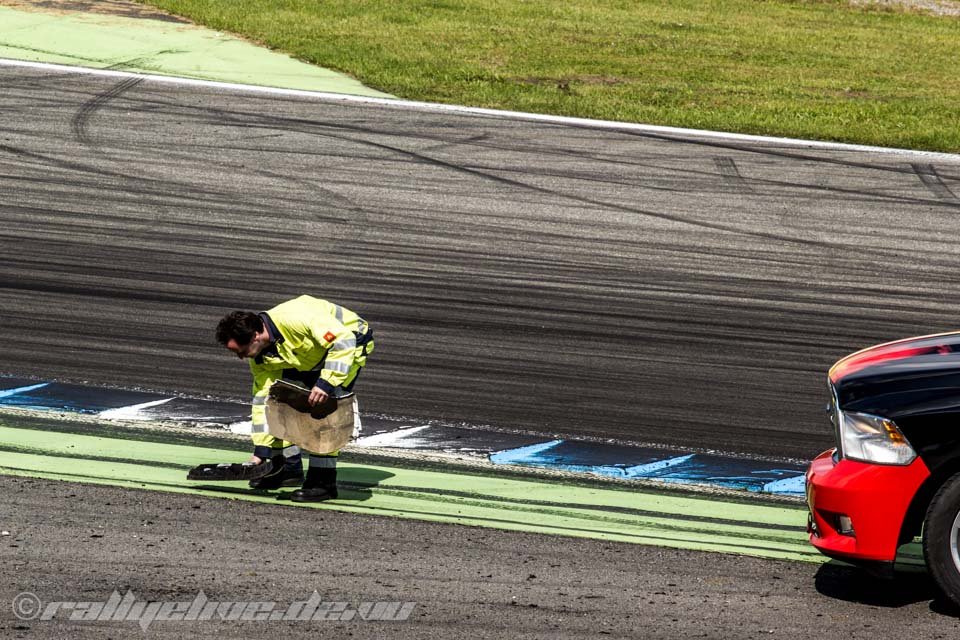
356,485
852,584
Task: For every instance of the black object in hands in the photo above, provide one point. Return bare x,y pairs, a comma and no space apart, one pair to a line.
296,396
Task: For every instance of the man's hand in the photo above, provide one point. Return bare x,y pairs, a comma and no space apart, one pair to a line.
317,396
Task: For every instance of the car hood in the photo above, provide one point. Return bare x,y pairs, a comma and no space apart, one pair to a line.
906,377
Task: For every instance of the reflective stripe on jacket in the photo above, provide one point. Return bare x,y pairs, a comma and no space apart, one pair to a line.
313,334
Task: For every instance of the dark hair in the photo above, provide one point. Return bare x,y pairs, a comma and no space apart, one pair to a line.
240,326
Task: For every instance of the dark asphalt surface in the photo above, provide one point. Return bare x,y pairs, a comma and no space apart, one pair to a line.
563,279
466,582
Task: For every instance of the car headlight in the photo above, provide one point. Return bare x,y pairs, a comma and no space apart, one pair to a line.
870,438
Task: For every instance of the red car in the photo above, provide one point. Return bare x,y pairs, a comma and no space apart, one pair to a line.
895,472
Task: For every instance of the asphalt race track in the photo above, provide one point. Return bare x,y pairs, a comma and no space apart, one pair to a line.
466,582
634,285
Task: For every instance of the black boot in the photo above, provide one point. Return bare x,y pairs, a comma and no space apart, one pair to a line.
287,474
320,485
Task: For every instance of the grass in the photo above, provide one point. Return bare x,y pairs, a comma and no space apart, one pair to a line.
819,69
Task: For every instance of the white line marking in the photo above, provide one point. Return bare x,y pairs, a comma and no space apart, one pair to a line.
515,115
402,438
795,485
132,412
520,455
6,393
653,467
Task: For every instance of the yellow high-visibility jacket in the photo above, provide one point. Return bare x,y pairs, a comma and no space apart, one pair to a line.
309,334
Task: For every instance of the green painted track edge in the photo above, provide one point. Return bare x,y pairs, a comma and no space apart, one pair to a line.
421,496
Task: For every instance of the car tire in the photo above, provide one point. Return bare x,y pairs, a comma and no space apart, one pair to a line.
941,539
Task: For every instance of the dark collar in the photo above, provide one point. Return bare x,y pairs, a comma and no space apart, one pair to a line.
275,338
275,335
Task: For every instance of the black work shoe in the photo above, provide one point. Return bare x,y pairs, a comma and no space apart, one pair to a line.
314,494
290,475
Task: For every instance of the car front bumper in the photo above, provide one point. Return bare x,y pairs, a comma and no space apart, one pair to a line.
856,509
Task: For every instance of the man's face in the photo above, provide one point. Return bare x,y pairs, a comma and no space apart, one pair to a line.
256,345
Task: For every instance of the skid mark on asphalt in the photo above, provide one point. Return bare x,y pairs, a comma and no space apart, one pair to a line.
931,180
497,177
645,517
312,127
727,167
126,182
89,108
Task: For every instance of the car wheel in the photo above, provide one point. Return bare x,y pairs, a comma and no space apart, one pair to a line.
941,539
